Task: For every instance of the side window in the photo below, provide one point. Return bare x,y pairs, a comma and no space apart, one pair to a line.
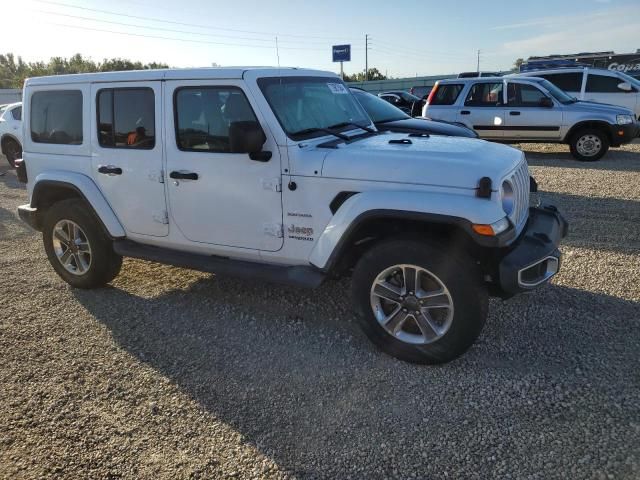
446,94
16,113
56,117
603,84
569,82
203,116
484,95
523,95
126,118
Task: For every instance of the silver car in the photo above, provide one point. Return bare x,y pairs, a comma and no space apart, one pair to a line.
531,109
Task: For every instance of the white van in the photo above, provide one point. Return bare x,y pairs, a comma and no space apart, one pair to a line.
595,85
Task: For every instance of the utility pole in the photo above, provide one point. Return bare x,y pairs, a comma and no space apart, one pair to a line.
478,65
366,57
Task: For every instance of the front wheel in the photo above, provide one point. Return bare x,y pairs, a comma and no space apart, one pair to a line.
589,145
419,302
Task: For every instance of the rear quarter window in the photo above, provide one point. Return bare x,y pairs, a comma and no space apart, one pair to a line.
446,94
569,82
56,117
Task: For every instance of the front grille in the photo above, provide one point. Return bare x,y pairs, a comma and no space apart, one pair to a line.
520,182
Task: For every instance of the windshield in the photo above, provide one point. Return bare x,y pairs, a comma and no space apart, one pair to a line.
306,105
557,93
378,109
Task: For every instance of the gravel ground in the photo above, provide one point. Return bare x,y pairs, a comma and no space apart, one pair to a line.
170,373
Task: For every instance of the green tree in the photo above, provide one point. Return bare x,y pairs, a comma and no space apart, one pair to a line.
517,63
374,74
14,71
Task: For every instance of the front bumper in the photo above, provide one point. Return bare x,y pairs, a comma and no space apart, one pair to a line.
621,134
533,259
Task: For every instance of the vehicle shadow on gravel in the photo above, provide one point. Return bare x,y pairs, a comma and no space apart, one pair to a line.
615,160
8,176
602,223
290,370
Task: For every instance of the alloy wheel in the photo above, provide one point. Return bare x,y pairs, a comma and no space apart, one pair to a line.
412,304
71,247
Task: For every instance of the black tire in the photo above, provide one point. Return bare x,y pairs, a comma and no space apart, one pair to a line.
104,264
600,135
457,272
12,150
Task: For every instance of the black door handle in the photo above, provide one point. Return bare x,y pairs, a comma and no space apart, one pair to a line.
514,113
110,170
465,112
183,176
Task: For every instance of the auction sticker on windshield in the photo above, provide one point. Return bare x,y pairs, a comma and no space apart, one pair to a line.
337,88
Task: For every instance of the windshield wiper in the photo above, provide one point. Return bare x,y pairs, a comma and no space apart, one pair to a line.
323,130
346,124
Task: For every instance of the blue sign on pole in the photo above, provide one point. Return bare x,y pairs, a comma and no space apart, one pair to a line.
341,53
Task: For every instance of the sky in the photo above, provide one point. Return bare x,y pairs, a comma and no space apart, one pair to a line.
407,37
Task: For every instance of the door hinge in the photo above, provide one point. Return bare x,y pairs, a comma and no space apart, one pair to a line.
161,217
272,184
274,229
156,176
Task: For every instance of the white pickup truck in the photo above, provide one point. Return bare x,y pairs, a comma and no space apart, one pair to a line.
279,175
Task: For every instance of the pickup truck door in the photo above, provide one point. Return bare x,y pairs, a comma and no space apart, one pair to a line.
126,153
483,109
603,88
215,196
527,116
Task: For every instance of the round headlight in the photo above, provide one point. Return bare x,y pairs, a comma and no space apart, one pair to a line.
508,199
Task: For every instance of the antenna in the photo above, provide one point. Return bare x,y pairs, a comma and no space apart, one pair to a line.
277,53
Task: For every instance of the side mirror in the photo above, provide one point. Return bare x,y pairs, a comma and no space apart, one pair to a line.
546,102
248,137
625,87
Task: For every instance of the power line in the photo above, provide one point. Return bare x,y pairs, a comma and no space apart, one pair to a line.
151,19
179,39
422,51
168,29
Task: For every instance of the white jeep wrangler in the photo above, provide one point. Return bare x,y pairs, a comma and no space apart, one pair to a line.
279,175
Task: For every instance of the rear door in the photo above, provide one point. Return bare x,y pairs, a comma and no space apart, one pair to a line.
483,109
526,118
127,150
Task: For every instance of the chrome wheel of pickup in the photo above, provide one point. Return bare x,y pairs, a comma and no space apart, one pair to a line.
412,304
71,247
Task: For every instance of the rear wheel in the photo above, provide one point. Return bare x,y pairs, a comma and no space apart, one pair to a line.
419,302
77,248
589,145
12,150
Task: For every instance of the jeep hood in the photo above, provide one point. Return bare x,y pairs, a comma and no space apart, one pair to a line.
443,161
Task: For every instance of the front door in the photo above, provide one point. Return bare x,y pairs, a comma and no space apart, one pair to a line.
127,144
215,196
526,116
483,110
604,89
